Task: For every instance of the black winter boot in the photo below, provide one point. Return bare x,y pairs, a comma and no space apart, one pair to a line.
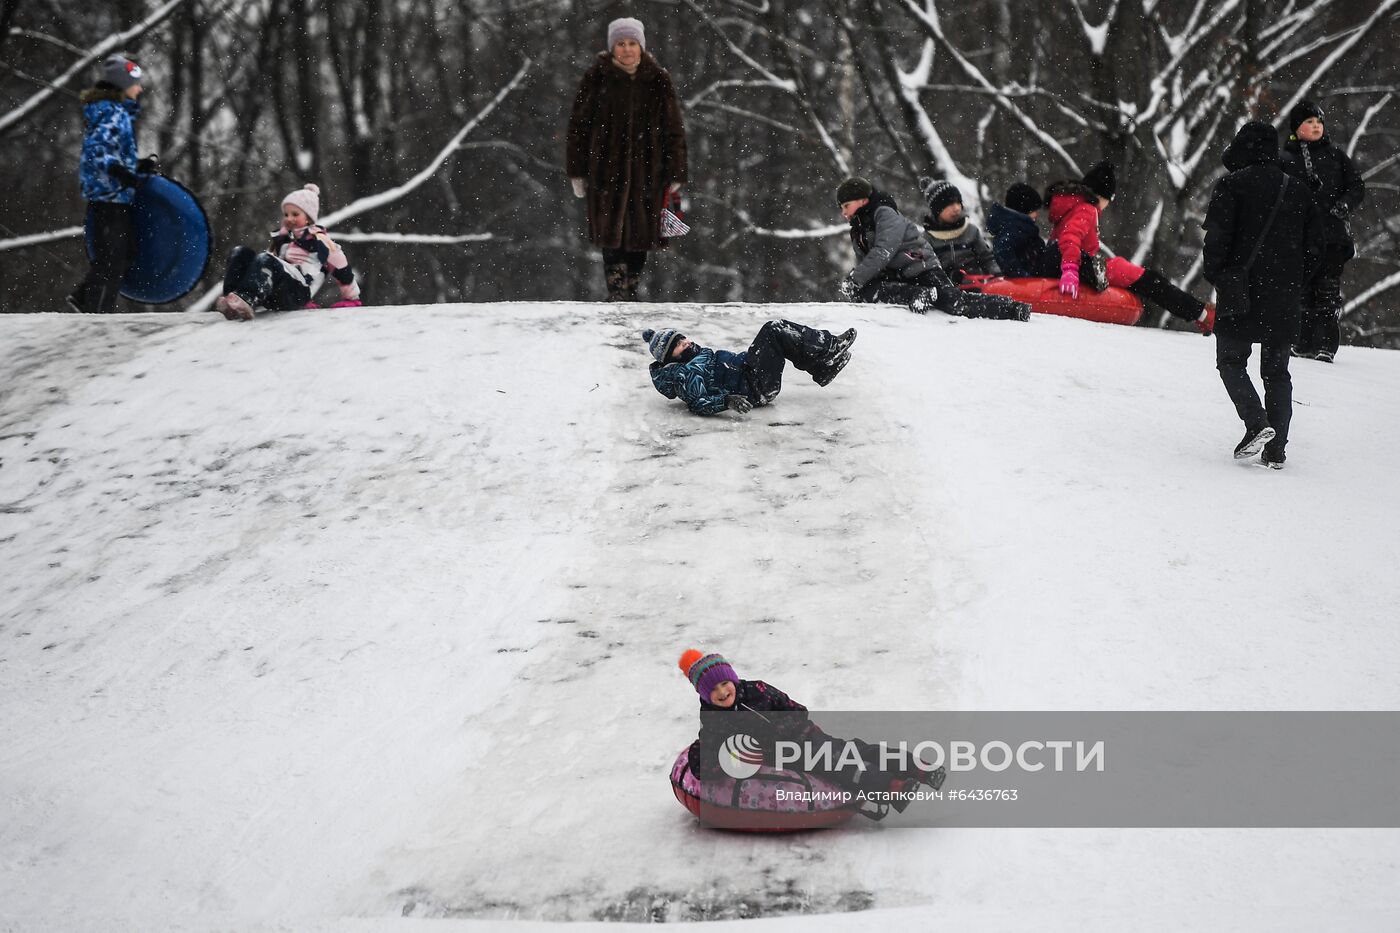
615,275
630,285
1253,441
1153,287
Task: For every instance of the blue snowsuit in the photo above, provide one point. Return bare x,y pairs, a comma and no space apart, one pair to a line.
110,140
703,381
1016,241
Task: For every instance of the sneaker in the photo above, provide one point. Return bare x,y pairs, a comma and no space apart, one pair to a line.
1322,356
1253,442
238,309
824,377
1272,458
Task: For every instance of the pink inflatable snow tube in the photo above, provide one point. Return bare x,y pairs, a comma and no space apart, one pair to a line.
754,805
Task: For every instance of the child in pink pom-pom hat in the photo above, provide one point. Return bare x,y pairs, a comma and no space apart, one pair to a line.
292,269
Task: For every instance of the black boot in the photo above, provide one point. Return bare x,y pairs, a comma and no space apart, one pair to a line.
1153,287
1253,441
630,285
615,275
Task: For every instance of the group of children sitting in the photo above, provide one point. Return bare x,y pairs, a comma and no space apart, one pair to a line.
287,275
899,262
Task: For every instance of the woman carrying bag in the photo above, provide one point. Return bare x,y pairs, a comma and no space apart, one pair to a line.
626,154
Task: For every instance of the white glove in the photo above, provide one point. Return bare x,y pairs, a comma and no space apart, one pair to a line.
579,186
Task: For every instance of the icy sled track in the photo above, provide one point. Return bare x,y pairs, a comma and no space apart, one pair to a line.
343,620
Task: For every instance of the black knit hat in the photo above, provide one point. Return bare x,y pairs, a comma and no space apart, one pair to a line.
1022,197
1099,179
853,189
939,194
1299,114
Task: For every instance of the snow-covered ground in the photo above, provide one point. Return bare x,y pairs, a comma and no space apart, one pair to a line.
339,620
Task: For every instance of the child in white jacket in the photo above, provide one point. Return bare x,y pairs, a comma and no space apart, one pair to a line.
292,269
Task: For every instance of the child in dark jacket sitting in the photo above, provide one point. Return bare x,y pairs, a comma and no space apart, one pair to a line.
723,693
712,381
1016,240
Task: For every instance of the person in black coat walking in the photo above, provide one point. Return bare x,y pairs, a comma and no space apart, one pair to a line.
1239,211
1338,188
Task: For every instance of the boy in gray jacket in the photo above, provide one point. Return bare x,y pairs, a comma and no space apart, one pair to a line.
896,265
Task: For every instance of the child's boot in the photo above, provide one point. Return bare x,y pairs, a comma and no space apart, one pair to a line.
236,308
823,376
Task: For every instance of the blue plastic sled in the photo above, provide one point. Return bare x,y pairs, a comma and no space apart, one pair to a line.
172,243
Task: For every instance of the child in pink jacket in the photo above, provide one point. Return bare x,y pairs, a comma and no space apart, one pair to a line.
1074,209
292,269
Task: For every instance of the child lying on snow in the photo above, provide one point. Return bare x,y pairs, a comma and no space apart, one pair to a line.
896,265
711,381
292,269
722,692
1073,251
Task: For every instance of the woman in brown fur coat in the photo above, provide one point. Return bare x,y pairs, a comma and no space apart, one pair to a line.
626,153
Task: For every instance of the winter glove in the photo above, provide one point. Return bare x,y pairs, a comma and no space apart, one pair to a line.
1069,280
1206,322
348,303
847,289
126,176
579,186
738,403
150,165
1340,210
673,188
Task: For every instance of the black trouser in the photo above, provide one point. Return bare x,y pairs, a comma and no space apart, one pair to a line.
1231,357
1153,287
1320,330
891,288
778,342
113,249
264,281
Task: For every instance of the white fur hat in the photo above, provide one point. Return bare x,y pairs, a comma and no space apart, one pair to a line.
626,28
308,199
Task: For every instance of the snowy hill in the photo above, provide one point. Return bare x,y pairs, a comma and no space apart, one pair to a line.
339,618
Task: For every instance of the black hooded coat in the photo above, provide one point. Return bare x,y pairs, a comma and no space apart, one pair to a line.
1289,254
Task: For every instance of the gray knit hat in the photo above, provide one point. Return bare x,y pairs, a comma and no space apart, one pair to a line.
119,72
626,28
853,189
662,342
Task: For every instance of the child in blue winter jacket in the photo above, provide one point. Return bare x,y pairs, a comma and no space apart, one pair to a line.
110,173
1016,240
712,381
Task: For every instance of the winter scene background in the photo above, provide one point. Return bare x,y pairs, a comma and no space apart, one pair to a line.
367,619
252,98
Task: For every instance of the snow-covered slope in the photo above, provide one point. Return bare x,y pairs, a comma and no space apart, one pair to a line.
338,618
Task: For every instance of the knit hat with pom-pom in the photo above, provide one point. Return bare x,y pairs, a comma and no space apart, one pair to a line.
706,671
308,199
662,342
939,194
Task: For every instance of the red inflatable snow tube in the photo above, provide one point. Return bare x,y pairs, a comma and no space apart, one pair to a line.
755,804
1111,306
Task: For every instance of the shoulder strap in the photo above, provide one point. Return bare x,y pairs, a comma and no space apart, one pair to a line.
1268,224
